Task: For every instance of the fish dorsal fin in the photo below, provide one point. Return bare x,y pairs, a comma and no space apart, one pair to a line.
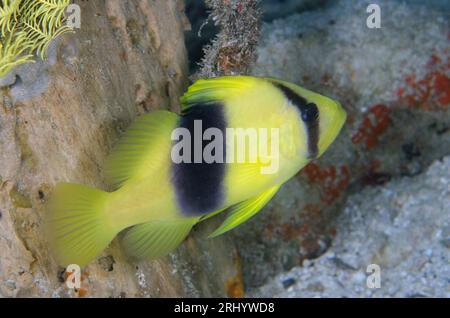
216,89
140,147
241,212
155,239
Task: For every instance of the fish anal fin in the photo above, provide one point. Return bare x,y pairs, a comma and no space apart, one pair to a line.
156,238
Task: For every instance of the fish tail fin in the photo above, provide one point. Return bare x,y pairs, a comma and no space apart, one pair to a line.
156,238
77,224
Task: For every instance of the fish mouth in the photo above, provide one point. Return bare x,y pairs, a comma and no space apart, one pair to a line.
338,119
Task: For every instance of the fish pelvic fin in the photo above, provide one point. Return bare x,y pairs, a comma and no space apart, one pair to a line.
243,211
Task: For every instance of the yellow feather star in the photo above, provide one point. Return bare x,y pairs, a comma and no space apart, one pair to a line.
27,27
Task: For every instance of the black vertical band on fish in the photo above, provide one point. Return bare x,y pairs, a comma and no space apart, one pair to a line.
310,116
199,187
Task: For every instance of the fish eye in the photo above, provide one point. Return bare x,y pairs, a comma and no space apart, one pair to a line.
310,112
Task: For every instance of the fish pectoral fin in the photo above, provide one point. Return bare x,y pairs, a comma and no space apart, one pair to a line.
241,212
156,238
135,153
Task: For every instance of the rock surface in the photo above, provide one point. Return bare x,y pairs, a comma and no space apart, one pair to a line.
403,227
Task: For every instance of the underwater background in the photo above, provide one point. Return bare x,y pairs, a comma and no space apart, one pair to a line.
379,195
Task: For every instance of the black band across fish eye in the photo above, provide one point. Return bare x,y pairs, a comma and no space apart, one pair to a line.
309,113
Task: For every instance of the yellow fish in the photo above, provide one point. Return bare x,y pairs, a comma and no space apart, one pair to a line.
166,182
